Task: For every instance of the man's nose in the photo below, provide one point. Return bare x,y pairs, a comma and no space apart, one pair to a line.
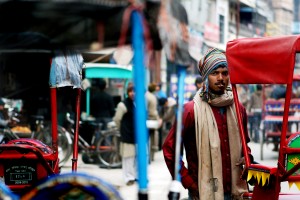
220,76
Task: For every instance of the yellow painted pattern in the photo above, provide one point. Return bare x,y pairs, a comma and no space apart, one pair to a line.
294,161
294,182
261,177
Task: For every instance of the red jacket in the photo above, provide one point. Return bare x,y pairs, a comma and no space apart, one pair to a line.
189,174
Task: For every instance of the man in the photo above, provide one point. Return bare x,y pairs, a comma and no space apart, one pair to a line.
254,109
198,84
124,121
102,104
152,115
210,136
168,116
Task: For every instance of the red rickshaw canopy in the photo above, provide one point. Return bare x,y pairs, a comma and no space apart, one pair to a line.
265,60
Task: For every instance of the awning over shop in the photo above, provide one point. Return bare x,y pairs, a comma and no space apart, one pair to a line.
215,45
250,3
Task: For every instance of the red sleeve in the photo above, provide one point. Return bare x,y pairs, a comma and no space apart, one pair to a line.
169,145
169,149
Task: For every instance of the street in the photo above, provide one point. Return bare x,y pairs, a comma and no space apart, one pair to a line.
159,176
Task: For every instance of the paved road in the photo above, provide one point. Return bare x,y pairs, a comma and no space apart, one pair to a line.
159,177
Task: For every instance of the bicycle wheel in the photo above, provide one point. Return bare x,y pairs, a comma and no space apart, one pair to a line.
107,149
64,142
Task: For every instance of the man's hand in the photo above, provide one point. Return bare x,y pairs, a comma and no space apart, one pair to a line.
194,191
240,163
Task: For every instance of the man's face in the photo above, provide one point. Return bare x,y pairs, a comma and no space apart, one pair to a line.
218,80
131,94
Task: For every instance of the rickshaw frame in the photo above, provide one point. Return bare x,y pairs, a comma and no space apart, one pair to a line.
268,60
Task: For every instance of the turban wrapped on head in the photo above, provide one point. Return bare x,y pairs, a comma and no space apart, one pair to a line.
211,60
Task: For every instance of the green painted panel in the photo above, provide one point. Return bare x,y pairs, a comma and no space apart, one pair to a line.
293,159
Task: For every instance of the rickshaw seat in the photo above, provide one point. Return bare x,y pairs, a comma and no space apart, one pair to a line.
25,161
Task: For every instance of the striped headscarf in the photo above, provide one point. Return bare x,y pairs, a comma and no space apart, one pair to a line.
210,61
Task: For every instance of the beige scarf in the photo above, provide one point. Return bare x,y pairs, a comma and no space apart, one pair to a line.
210,181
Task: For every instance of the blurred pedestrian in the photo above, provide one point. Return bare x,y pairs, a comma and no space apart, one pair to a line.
254,109
278,92
102,104
124,119
152,109
168,116
198,84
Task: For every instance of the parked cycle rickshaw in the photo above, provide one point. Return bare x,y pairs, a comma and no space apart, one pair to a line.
42,28
269,60
272,113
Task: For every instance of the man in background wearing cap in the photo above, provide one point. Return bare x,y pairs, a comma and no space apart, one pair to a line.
210,136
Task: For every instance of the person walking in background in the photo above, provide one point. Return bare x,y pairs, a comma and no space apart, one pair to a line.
278,92
124,119
102,104
168,115
210,136
152,108
198,84
243,94
254,109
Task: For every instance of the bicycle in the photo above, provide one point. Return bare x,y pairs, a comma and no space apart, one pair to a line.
103,149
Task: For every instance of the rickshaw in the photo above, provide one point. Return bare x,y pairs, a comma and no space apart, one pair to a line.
79,25
269,60
25,161
271,123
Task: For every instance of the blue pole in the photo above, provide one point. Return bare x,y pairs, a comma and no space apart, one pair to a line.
141,133
174,193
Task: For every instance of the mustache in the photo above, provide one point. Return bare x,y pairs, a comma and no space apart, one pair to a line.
220,83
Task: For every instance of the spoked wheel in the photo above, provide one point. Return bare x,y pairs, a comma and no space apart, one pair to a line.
108,149
64,142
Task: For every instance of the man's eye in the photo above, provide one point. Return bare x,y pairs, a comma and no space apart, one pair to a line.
225,73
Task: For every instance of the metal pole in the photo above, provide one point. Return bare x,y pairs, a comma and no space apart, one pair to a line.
141,133
53,96
76,133
174,193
